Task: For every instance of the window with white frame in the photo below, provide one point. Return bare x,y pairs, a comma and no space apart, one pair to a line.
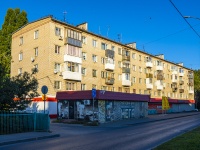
20,71
21,40
84,40
20,56
36,51
57,67
119,77
140,80
103,46
119,64
73,67
57,49
119,51
134,55
113,48
83,87
94,43
70,86
57,85
57,31
94,58
83,71
140,57
140,69
133,80
84,56
134,68
36,34
102,60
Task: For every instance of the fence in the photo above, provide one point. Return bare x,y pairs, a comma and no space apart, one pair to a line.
11,122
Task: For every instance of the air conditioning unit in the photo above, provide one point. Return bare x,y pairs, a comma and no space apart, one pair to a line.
60,37
55,71
86,102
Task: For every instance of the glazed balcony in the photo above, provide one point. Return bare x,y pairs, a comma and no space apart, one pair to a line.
149,64
73,42
149,75
125,58
159,67
126,82
125,70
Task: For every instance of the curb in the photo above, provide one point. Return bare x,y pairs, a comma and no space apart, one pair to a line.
29,139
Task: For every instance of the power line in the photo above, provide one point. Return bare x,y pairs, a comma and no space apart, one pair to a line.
184,19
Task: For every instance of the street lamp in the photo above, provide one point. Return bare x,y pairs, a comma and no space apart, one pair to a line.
191,17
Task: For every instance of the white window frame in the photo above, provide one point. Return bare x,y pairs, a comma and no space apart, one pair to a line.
57,85
36,51
36,34
94,58
20,56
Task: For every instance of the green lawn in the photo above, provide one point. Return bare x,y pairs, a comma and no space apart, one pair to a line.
186,141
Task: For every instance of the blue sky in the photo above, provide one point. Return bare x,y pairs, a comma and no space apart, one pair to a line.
155,25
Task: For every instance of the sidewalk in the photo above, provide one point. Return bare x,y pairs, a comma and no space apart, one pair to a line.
31,136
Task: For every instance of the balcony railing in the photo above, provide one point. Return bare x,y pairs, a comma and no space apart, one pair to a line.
109,81
181,90
72,75
74,42
126,82
181,82
149,64
125,58
125,70
149,75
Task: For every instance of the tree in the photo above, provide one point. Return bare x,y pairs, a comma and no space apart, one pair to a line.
197,87
14,20
22,87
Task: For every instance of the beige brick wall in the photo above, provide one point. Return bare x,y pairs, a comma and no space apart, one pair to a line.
47,58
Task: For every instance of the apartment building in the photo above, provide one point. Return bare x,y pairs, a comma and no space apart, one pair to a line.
70,58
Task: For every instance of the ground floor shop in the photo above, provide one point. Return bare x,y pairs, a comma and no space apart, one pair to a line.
106,106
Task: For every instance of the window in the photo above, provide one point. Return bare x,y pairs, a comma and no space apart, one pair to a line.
119,77
134,68
119,51
83,71
83,87
20,56
83,55
102,60
103,46
119,89
21,40
94,73
134,56
104,74
36,66
20,71
140,80
94,58
57,85
73,51
113,48
57,49
57,31
127,76
119,64
36,34
36,51
84,40
134,90
57,67
133,80
70,86
140,58
73,67
140,69
94,43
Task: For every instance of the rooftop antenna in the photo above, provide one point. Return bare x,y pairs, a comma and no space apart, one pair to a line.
99,31
108,30
64,15
119,37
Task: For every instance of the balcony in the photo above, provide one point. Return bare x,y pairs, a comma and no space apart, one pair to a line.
181,74
190,76
181,90
126,82
73,42
125,58
191,83
160,67
72,75
149,64
109,81
149,86
109,53
149,75
125,70
174,80
191,91
160,77
74,59
160,87
109,66
174,72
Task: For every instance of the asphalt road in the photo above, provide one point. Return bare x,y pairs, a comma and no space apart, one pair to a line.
134,137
